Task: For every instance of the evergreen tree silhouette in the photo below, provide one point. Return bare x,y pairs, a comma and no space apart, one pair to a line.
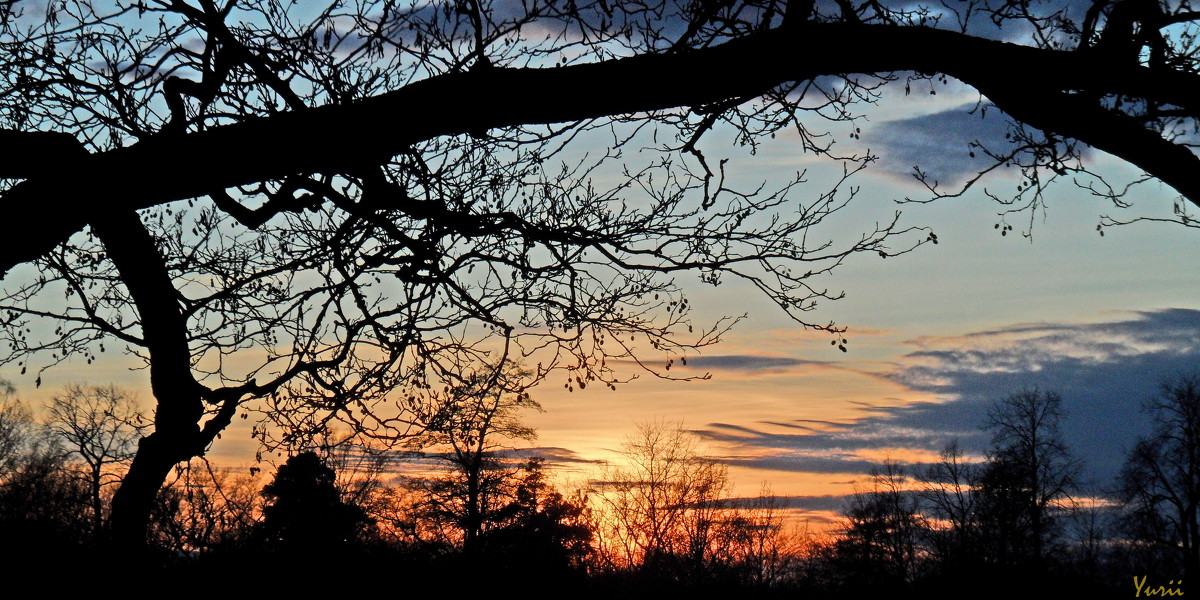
305,514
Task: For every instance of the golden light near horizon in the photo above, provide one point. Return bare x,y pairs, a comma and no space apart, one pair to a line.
746,417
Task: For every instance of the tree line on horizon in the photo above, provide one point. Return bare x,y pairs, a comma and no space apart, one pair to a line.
663,519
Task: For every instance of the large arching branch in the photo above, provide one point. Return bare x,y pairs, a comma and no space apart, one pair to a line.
336,138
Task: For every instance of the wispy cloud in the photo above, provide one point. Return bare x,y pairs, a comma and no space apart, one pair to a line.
748,362
748,365
939,143
815,503
554,456
798,462
1103,370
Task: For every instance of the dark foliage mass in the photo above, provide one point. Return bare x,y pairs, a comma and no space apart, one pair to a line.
304,513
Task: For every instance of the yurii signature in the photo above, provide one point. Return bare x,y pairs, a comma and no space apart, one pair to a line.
1173,588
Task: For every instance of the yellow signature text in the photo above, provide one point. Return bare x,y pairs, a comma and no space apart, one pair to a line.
1173,588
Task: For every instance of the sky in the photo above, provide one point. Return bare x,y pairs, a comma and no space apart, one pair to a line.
934,336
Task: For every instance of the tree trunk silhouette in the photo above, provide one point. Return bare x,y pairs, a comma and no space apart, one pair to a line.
176,437
134,500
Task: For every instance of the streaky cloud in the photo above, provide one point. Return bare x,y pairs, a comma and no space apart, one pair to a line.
814,503
749,362
805,463
1104,370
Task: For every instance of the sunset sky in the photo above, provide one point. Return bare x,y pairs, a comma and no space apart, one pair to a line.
934,336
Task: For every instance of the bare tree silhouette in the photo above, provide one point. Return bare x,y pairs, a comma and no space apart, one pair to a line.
1158,483
662,506
1029,471
475,421
98,426
882,542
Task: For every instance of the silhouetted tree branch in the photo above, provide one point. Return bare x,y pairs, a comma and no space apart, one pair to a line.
380,196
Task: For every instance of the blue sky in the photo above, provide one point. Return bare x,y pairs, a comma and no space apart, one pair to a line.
936,335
